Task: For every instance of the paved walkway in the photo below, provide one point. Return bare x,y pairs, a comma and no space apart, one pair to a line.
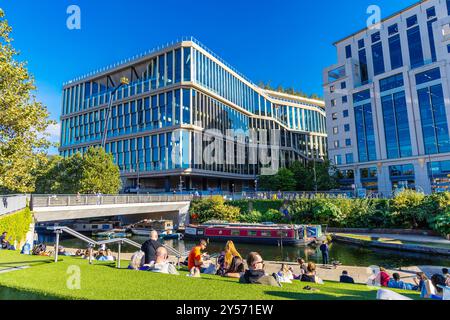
403,237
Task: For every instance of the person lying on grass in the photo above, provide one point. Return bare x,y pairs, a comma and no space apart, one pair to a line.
161,264
256,274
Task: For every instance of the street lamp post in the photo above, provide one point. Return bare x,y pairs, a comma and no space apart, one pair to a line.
123,81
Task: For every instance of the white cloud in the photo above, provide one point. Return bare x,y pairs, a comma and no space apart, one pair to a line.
54,131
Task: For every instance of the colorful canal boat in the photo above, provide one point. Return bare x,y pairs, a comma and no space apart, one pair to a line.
271,234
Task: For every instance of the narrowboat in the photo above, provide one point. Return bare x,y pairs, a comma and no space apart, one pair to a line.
144,227
269,234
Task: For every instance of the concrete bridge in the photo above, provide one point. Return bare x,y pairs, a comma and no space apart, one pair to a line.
50,208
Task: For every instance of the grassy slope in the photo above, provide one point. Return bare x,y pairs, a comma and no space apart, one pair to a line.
103,281
392,240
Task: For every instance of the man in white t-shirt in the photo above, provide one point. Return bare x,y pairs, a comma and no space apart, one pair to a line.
161,264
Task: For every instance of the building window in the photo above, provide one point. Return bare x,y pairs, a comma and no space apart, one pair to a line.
369,178
349,158
431,12
361,96
391,82
361,44
396,126
345,113
338,160
395,52
336,144
334,116
393,29
348,51
431,39
344,99
343,85
411,21
332,89
365,133
333,102
448,48
439,173
348,142
415,47
336,130
402,176
378,58
428,76
347,128
364,73
376,37
434,120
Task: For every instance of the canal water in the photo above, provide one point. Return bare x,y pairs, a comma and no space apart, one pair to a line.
346,254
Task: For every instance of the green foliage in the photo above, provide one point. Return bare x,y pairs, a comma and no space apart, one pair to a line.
23,120
291,91
213,208
408,210
16,224
300,178
284,180
92,172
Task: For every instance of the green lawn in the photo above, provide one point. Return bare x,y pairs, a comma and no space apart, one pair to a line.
393,240
45,279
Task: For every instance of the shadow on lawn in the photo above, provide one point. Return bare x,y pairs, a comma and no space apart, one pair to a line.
13,264
324,294
15,294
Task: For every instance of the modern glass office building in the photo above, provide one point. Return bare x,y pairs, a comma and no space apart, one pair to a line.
181,100
389,99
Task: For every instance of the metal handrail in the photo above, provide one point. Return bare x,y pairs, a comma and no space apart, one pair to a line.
60,229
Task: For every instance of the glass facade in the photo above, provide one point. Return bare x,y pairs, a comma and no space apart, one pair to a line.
150,126
434,119
395,52
365,133
415,47
396,125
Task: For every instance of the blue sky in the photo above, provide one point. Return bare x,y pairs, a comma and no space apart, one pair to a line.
286,42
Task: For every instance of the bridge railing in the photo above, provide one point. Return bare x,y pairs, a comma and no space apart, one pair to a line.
92,243
12,203
39,201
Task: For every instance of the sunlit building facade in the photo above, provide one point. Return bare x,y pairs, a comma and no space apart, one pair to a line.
389,103
175,94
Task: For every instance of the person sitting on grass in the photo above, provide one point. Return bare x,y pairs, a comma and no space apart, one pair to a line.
109,256
382,278
226,258
285,274
446,276
256,274
196,264
311,276
150,246
161,264
396,283
432,289
345,278
236,269
137,261
4,243
303,268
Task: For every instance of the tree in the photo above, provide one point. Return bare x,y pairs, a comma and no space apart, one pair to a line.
23,120
92,172
283,180
99,173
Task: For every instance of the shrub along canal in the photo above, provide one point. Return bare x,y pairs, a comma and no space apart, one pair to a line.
346,254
